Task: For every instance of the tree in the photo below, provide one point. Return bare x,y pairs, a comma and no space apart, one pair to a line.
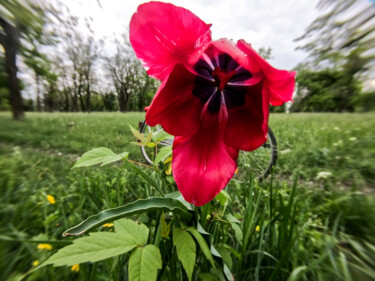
125,72
82,51
344,26
20,24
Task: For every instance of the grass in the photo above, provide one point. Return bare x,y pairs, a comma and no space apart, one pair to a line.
310,228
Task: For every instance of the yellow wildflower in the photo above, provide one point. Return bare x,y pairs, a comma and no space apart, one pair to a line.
51,199
257,228
45,247
36,263
108,224
75,268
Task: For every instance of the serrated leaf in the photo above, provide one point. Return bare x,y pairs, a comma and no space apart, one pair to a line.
139,206
144,264
98,155
98,246
203,245
186,250
138,135
163,153
161,135
139,232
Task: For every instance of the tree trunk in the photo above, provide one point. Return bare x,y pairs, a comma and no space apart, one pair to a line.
38,103
121,102
88,95
10,42
79,92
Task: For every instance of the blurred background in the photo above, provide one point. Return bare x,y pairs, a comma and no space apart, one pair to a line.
75,55
69,82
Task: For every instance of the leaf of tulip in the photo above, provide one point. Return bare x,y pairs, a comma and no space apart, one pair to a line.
163,153
186,250
144,264
98,155
203,245
101,245
139,206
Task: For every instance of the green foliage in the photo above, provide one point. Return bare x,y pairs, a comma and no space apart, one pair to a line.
140,206
99,155
102,245
144,263
186,250
330,89
286,227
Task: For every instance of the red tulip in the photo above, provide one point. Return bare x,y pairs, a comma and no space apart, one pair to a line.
214,96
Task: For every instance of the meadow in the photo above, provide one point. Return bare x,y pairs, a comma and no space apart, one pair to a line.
312,219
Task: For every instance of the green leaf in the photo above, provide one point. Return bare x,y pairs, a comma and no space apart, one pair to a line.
223,197
144,264
161,135
139,232
163,153
203,245
237,232
99,155
138,135
98,246
186,250
144,176
139,206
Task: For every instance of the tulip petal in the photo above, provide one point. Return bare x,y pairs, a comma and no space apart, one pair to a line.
279,84
202,163
174,106
162,35
247,125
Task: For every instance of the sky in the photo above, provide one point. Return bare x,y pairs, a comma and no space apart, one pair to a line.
263,23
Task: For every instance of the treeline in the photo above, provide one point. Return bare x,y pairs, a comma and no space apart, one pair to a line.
341,44
65,66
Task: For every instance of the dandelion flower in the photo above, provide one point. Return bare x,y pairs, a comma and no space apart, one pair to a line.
35,263
257,228
45,247
107,225
51,199
75,268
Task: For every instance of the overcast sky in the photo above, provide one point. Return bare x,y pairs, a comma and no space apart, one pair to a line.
263,23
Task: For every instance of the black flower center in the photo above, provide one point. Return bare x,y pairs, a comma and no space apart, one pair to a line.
220,81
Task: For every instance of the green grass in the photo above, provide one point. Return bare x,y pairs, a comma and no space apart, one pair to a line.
321,229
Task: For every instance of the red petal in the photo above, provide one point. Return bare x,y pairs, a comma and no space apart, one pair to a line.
279,84
163,35
202,163
174,106
248,124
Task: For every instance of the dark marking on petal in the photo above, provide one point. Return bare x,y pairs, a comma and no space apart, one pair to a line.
214,103
203,69
234,96
241,75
